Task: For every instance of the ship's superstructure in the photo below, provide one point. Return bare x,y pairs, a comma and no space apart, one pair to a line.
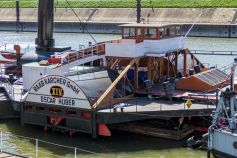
83,90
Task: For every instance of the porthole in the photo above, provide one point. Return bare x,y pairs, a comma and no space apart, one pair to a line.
235,145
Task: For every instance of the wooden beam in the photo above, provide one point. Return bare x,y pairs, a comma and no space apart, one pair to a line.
129,83
112,86
135,76
115,62
176,64
196,59
149,68
168,67
184,63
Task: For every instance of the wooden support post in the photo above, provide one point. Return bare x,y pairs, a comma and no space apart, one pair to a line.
149,68
94,125
184,63
176,64
192,58
124,86
161,62
168,66
135,76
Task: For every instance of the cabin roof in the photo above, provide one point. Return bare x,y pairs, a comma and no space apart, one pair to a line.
148,25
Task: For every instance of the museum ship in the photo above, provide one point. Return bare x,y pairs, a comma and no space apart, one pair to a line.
145,80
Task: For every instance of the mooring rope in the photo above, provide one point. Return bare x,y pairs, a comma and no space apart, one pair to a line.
81,21
196,20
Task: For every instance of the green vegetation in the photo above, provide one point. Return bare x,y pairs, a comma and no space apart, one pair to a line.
124,3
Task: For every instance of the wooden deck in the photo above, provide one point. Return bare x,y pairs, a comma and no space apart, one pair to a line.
7,155
152,105
142,109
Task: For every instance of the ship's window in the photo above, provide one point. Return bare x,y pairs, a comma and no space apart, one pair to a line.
174,31
28,108
150,33
71,113
139,32
128,32
162,32
86,115
40,108
167,32
54,110
235,145
178,30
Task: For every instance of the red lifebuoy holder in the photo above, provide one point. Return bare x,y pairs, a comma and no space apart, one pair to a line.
104,130
55,120
54,60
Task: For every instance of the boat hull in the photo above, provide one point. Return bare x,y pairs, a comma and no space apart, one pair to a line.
223,143
219,154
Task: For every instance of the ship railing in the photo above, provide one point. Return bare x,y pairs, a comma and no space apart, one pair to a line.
6,84
211,52
225,122
98,49
8,87
205,98
17,93
135,104
34,147
226,68
12,91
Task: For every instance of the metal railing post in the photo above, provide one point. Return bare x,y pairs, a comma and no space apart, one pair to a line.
75,152
1,142
21,93
36,148
110,105
136,105
92,51
13,93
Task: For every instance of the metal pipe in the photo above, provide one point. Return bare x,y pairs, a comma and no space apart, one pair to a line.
36,148
45,40
75,152
1,142
17,48
17,15
138,11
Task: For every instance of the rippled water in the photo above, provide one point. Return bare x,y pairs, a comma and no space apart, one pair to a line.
121,144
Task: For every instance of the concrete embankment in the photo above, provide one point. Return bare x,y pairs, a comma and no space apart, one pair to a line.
213,22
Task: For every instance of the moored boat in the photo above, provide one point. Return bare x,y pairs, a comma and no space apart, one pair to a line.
222,134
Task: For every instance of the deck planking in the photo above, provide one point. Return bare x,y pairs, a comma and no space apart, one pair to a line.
153,105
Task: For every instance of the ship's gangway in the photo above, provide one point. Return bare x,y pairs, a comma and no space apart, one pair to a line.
75,58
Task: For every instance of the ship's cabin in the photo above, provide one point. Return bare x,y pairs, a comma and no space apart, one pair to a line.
142,39
141,32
